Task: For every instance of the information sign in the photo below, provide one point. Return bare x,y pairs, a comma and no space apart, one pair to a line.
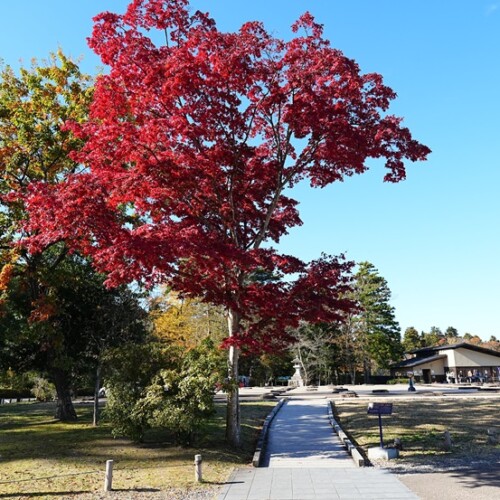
380,409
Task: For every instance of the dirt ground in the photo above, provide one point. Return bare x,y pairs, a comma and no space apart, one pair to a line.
468,484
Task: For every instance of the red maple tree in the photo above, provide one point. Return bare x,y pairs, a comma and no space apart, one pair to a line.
190,147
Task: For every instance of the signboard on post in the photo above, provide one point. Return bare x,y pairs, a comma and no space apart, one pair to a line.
380,409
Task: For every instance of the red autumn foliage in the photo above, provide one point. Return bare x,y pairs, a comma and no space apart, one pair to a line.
191,147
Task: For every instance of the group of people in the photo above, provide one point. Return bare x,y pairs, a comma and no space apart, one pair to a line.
470,376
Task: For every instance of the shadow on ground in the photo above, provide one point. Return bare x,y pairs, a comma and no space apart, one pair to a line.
476,478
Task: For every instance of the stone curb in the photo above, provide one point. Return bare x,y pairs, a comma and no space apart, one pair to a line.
351,448
261,443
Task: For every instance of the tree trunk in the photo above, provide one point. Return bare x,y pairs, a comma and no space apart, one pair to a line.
367,371
305,378
352,372
233,428
64,409
95,419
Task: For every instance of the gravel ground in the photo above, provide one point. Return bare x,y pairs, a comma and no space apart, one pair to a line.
469,478
466,484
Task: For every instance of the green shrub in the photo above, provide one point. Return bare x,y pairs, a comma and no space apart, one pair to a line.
130,369
123,412
179,402
152,386
20,382
394,381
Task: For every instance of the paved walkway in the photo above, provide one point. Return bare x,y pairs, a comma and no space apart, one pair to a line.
301,436
305,461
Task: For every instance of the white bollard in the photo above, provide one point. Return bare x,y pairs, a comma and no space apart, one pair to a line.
108,478
197,469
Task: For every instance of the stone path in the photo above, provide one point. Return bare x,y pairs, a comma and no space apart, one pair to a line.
305,461
301,436
314,484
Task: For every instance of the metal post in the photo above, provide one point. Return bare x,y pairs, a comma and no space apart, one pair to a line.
197,469
108,478
380,428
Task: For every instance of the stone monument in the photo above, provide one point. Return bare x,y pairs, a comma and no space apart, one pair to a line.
296,380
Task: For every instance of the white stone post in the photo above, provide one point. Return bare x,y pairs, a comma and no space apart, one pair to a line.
198,477
108,478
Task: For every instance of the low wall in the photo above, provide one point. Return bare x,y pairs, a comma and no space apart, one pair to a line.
351,448
261,443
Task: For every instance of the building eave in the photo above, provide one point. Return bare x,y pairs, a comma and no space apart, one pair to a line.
410,363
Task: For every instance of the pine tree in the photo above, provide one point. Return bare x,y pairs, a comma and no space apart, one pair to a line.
411,339
379,334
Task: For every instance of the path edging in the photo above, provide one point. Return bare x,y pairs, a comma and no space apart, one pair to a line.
351,448
261,443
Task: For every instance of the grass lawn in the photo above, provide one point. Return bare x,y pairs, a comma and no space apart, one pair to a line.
40,455
420,424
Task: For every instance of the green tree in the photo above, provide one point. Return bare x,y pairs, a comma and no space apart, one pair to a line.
433,337
376,331
451,333
64,333
267,367
35,147
411,339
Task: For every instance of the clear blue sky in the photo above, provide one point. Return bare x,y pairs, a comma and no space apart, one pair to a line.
434,237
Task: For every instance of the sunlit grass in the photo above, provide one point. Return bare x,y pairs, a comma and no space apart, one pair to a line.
41,455
420,424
